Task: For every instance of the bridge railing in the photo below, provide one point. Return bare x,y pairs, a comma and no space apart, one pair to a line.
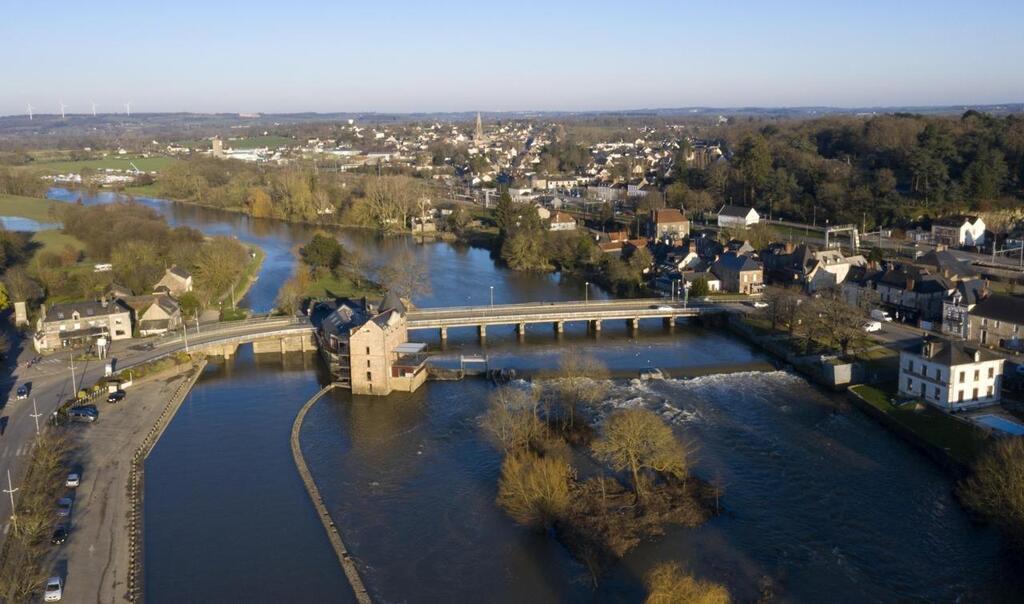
555,304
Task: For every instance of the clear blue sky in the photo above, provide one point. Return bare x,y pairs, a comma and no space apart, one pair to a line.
184,55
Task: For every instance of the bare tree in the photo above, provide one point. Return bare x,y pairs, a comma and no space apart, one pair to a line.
837,322
667,583
638,440
406,275
581,379
512,418
534,490
996,487
389,201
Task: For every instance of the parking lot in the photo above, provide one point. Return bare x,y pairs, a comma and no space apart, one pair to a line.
94,560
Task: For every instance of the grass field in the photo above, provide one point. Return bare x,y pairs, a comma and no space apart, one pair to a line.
56,241
146,164
331,286
963,441
37,209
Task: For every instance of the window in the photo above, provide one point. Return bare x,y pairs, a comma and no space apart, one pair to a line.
990,391
960,396
962,375
991,372
367,363
369,377
367,350
936,393
910,367
910,385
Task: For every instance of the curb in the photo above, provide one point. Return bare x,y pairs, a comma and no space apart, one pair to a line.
344,557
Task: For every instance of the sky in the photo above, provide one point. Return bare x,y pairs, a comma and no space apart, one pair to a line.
406,56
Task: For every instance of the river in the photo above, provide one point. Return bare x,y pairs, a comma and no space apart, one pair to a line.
820,502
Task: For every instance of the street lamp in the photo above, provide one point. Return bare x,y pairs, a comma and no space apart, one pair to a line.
492,296
586,292
686,294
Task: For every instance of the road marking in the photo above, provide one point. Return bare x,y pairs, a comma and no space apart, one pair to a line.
24,449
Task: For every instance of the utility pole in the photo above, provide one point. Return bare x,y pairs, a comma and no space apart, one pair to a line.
35,414
586,292
184,331
10,490
74,387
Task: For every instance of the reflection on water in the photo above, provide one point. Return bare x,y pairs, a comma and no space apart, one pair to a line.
20,223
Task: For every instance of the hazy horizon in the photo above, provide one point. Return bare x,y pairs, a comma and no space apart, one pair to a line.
317,57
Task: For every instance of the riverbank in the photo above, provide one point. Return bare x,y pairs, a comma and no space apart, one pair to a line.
101,557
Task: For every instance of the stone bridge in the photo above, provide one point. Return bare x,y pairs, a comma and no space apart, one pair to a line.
593,312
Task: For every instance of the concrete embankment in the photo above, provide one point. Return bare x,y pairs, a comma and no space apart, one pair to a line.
347,564
136,476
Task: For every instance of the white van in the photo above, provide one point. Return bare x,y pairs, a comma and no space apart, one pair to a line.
871,326
880,315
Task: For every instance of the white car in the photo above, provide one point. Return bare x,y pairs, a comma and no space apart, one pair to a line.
73,480
872,326
759,304
54,590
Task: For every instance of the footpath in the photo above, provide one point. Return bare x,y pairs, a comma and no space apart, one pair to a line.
99,561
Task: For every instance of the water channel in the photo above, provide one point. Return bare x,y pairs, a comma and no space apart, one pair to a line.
820,501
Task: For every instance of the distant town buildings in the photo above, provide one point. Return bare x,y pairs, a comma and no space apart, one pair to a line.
959,231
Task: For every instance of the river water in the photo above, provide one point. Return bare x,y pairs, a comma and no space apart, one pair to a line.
820,502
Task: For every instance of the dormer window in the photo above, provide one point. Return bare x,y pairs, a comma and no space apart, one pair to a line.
76,316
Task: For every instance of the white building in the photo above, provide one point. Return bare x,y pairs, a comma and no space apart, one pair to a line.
737,216
959,231
562,222
951,375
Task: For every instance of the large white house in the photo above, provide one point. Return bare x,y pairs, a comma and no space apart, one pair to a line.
960,230
737,216
951,375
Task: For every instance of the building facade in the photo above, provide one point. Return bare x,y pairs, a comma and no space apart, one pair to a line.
737,216
80,324
739,273
997,320
951,375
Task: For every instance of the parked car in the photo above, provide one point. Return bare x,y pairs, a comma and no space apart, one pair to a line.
22,392
60,535
88,413
880,315
871,326
73,480
661,307
116,396
759,304
54,589
64,505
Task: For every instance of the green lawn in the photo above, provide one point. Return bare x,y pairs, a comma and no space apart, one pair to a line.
36,208
963,441
146,164
55,241
342,287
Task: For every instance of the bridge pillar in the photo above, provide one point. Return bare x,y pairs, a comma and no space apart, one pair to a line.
595,325
483,331
521,329
559,326
634,324
669,322
444,333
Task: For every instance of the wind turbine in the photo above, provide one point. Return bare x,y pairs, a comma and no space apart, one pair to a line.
62,110
128,108
94,108
30,111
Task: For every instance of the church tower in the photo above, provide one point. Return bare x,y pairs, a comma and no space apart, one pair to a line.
478,134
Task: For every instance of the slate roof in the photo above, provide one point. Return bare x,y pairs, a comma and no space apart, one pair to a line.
945,261
738,262
734,211
950,353
391,301
92,308
1001,308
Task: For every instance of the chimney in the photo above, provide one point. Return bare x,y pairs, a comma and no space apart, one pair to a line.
977,355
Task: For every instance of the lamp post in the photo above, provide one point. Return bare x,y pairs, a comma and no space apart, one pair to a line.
10,490
586,292
492,296
35,414
686,294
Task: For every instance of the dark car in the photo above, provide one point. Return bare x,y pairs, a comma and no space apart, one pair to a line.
60,535
22,392
116,396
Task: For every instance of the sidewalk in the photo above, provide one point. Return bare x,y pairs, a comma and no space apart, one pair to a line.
95,559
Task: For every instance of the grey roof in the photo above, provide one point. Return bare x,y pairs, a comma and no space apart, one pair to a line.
738,262
391,301
92,308
184,274
971,290
949,352
734,211
945,261
911,278
1001,308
